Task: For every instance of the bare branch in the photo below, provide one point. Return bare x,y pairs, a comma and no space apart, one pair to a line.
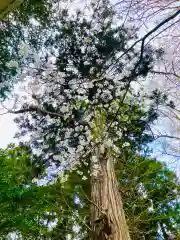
143,39
167,136
4,113
166,73
37,109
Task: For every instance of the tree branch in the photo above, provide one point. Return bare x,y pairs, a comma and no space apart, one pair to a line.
141,55
148,34
166,73
24,110
33,108
167,136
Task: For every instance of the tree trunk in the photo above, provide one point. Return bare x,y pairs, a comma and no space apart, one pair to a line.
107,220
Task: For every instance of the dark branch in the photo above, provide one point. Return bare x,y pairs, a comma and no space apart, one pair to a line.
167,136
141,56
33,108
24,110
166,73
148,34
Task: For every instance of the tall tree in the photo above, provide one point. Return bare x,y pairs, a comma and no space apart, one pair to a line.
27,208
79,104
150,192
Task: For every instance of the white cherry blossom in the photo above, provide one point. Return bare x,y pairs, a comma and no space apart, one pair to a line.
126,144
12,64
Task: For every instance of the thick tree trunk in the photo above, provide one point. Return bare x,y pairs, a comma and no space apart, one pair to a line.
108,220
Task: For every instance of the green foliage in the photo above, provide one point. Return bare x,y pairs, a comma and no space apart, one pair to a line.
149,191
27,208
150,194
98,127
39,10
17,28
16,170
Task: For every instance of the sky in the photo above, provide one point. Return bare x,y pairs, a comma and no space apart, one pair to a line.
7,130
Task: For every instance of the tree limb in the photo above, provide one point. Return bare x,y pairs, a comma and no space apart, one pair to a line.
141,55
148,34
167,136
165,73
33,108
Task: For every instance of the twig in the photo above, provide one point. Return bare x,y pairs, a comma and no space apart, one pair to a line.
149,33
165,73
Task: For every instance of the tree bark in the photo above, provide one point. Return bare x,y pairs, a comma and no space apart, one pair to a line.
107,215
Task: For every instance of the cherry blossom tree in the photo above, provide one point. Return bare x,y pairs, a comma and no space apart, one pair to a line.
82,107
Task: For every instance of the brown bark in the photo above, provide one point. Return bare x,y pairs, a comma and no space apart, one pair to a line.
108,220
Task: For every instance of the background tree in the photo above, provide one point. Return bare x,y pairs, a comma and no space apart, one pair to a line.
62,208
28,208
23,25
165,76
7,6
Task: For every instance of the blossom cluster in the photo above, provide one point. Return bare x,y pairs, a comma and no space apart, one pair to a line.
69,89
